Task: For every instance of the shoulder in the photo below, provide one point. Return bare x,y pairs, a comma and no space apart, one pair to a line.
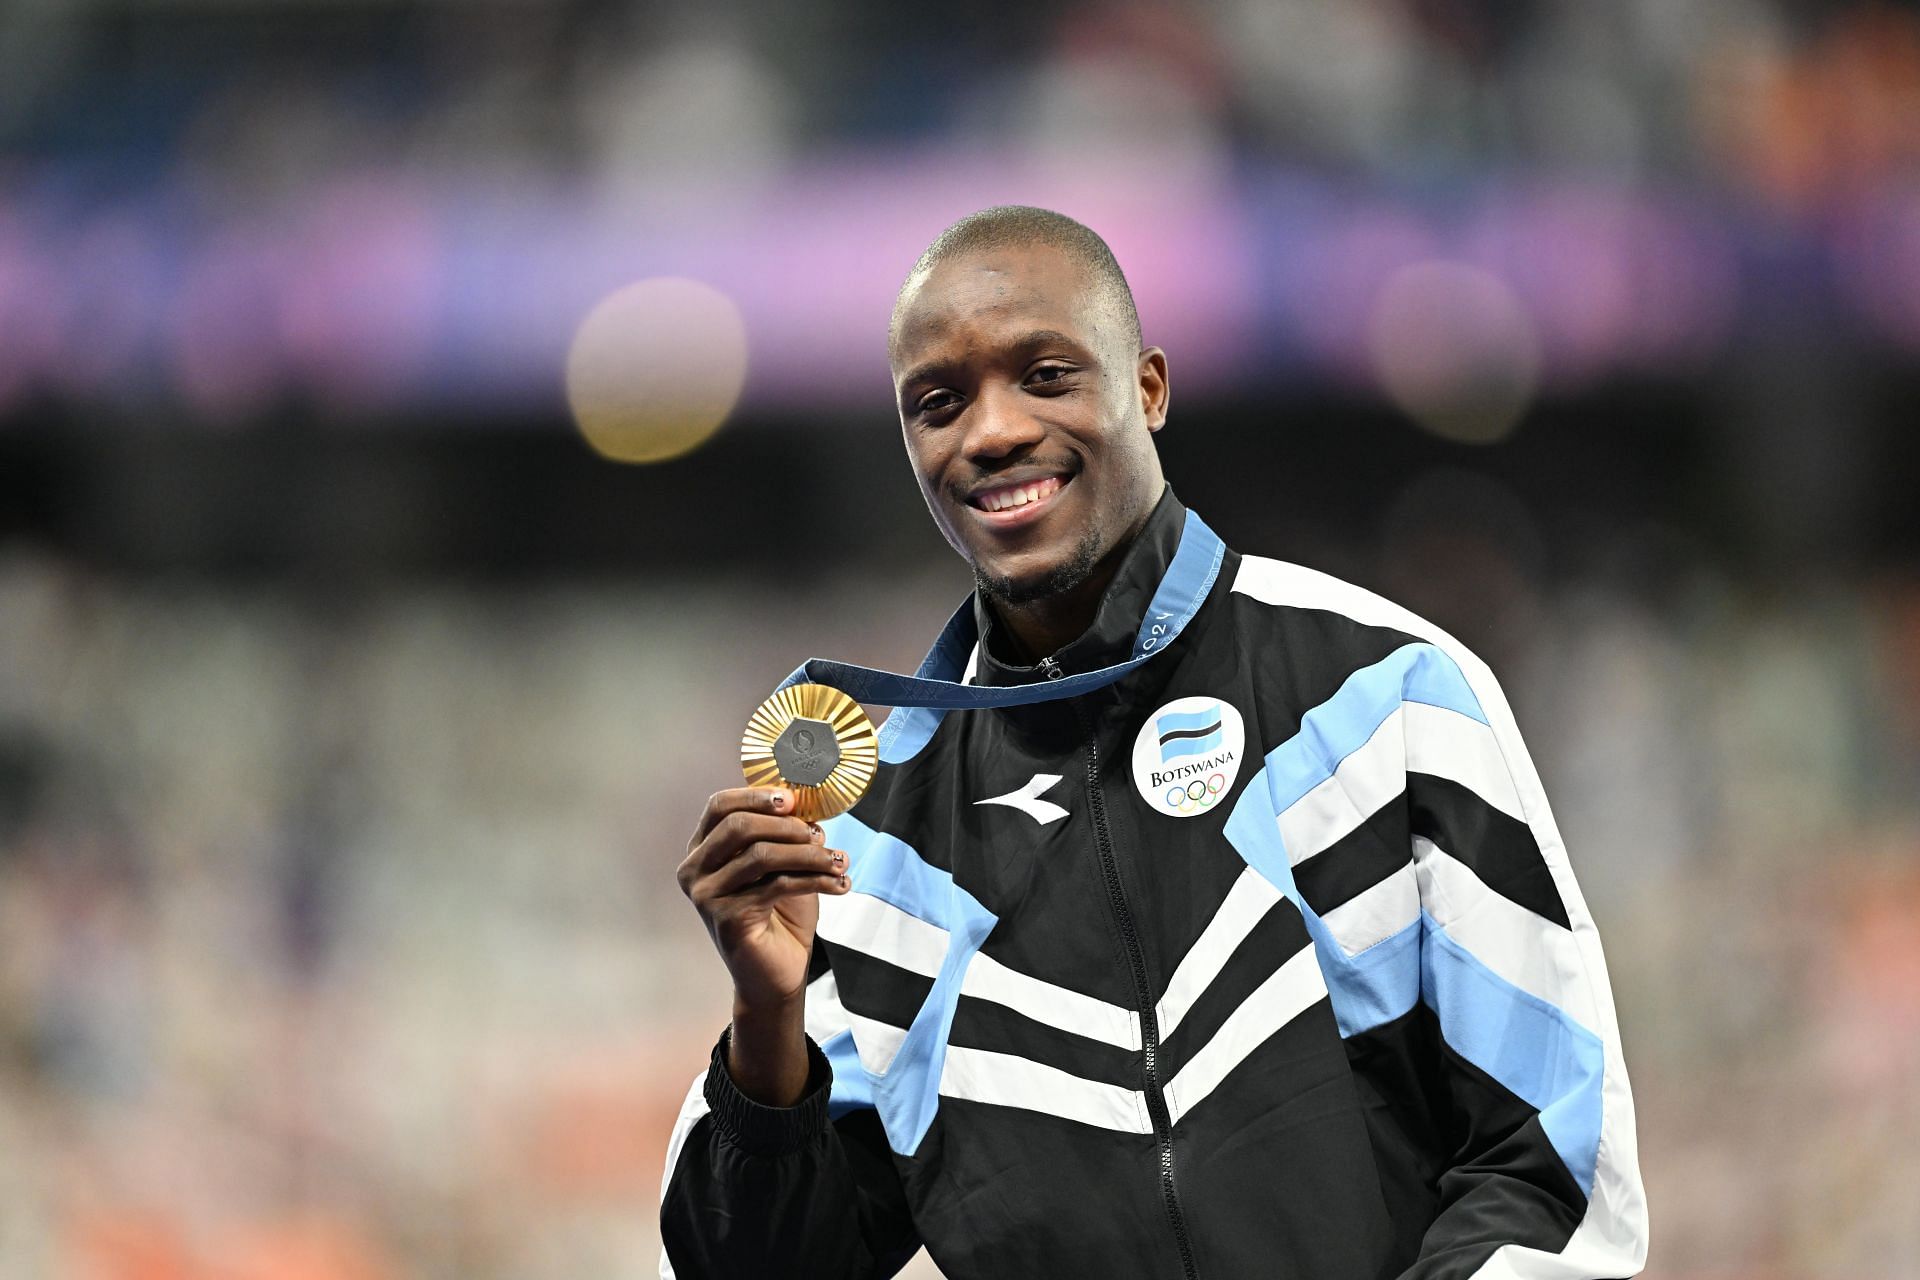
1293,591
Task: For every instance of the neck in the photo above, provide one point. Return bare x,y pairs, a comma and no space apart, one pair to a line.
1040,628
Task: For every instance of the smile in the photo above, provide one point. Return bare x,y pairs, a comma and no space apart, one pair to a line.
1016,497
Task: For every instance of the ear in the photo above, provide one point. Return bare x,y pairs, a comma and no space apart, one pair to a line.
1151,375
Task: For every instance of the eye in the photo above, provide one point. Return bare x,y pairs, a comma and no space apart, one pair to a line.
1048,374
936,402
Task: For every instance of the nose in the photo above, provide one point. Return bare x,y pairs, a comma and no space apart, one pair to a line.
999,426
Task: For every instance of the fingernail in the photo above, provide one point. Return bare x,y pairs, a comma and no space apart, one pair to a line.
844,882
819,836
839,858
777,799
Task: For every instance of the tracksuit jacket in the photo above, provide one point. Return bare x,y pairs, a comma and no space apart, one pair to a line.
1264,961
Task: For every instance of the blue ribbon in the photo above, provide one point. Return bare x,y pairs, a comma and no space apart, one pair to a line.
1182,590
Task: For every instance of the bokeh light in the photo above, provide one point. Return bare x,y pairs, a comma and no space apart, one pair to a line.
656,368
1453,346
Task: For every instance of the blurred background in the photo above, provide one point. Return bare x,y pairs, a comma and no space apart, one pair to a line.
402,402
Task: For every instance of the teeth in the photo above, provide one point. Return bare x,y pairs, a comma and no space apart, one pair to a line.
1019,496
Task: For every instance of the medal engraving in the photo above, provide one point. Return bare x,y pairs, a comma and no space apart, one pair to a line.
806,752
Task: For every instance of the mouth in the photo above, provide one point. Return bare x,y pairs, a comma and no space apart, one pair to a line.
1005,505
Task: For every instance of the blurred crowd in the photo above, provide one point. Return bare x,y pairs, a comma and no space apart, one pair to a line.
1793,100
338,934
340,939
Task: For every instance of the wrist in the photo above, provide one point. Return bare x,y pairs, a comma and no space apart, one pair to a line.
767,1052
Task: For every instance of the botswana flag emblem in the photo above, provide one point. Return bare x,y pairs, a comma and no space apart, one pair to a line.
1188,733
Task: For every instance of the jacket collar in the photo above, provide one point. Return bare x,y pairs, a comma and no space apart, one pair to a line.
1115,624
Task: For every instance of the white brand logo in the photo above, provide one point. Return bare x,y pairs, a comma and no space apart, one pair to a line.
1027,799
1187,755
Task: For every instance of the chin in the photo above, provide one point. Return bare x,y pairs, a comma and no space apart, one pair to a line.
1012,590
1026,584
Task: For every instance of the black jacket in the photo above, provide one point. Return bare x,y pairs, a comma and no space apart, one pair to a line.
1266,960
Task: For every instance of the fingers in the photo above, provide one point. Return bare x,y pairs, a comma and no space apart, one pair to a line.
747,849
785,884
766,859
734,833
776,800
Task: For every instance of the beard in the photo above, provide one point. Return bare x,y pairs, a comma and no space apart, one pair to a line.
1060,579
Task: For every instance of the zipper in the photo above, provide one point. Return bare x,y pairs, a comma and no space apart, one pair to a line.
1053,669
1143,994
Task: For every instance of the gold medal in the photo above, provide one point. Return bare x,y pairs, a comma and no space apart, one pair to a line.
815,740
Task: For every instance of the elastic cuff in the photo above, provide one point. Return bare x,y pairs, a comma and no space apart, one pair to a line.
762,1130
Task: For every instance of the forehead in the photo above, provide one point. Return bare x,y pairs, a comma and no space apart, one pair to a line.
976,295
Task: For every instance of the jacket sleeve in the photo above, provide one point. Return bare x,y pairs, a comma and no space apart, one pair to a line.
775,1192
1543,1179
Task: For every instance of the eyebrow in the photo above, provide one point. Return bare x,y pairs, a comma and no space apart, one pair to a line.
933,370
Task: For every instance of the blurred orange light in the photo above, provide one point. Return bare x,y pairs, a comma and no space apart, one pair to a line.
656,368
1454,347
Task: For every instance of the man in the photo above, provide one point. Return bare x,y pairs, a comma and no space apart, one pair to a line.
1258,954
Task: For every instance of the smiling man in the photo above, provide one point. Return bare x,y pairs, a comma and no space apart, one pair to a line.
1021,323
1225,932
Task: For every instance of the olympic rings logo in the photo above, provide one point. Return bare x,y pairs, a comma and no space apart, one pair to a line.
1195,796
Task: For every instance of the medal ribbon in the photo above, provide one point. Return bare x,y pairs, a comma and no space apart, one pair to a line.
1196,563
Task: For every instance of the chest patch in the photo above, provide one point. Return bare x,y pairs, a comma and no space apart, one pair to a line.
1187,754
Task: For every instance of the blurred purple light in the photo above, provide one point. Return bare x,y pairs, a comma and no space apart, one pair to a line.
1879,262
224,329
356,313
33,308
1337,270
116,274
380,293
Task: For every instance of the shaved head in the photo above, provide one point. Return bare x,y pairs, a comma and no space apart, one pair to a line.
1020,226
